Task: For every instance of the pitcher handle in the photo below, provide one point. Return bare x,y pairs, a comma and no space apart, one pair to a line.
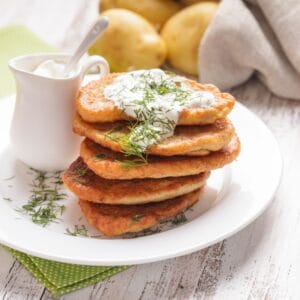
93,61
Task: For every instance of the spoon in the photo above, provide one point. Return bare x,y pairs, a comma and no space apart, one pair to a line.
95,31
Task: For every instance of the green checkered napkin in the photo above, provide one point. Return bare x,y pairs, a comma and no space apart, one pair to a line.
58,278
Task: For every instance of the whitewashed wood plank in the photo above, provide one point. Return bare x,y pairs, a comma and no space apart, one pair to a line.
16,283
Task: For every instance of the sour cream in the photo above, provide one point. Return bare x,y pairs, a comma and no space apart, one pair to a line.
50,69
155,99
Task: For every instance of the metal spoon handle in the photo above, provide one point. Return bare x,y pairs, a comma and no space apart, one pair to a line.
95,31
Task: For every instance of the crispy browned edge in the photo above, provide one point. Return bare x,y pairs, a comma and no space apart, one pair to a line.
114,220
157,167
87,186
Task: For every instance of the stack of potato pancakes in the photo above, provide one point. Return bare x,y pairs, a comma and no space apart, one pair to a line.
120,192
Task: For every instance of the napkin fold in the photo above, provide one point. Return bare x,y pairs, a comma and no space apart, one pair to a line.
253,36
58,278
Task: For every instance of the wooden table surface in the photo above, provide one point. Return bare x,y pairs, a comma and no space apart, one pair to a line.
260,262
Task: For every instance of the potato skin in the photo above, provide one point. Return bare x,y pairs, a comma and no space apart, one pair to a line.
130,42
156,12
191,2
183,33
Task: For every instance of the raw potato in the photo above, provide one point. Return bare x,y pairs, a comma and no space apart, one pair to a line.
183,33
107,4
156,12
130,42
191,2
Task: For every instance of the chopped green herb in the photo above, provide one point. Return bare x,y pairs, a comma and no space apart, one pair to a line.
126,164
154,99
44,207
100,156
151,122
145,232
81,171
117,128
79,230
7,199
136,218
190,209
179,219
57,178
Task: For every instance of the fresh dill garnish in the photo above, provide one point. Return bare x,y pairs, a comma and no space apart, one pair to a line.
79,230
179,219
99,156
79,174
154,116
7,199
57,178
113,137
44,207
154,99
143,233
81,171
117,128
136,218
112,134
127,163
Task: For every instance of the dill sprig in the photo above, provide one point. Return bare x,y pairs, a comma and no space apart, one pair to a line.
152,122
100,156
79,230
136,218
44,207
127,163
81,171
179,219
7,199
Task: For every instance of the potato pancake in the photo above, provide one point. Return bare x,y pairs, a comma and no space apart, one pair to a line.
114,220
86,185
92,105
115,165
196,139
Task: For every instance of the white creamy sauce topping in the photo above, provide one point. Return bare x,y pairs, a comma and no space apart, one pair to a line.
155,99
50,69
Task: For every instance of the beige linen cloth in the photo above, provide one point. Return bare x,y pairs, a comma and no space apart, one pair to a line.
254,36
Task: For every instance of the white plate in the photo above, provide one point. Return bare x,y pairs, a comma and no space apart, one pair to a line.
233,198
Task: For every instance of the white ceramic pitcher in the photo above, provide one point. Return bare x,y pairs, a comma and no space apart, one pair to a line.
41,129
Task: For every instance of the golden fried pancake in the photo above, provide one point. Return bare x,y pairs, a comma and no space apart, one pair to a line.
114,165
90,187
114,220
94,107
197,153
185,139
